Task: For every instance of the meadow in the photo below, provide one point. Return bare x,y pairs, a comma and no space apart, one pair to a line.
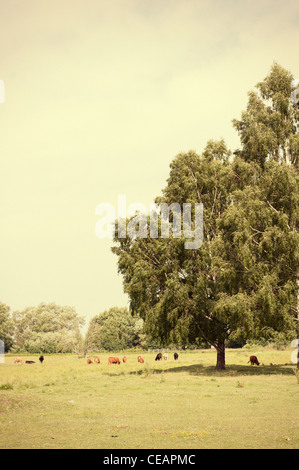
185,404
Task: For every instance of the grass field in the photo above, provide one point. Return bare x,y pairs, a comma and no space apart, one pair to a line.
184,404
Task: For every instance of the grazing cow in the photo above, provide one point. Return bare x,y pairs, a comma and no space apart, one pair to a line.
176,356
165,357
124,359
89,361
253,360
18,361
41,359
97,360
113,360
158,357
140,359
29,362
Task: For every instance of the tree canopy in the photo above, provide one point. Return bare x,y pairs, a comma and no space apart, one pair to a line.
242,280
115,329
47,328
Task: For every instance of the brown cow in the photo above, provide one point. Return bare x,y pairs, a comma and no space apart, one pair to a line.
97,360
18,361
89,361
124,359
253,360
158,357
140,359
113,360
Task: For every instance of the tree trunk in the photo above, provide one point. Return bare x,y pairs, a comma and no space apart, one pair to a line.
220,348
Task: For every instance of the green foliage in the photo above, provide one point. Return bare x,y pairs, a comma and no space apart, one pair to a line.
268,127
6,326
47,328
50,342
241,284
260,237
114,330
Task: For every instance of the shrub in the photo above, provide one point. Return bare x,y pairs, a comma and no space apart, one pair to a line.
7,386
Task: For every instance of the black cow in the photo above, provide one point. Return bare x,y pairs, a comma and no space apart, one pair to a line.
41,359
158,357
176,356
29,362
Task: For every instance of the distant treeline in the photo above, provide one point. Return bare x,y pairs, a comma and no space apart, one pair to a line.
50,328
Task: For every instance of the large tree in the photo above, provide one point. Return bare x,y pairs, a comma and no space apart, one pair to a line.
173,288
266,215
242,281
269,127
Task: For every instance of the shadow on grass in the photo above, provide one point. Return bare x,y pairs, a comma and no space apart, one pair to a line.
230,370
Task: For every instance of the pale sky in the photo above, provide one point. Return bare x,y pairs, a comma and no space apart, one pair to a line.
100,96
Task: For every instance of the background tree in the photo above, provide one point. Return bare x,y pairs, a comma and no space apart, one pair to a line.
115,329
6,326
81,344
48,328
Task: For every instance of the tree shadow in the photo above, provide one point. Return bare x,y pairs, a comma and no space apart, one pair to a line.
230,370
